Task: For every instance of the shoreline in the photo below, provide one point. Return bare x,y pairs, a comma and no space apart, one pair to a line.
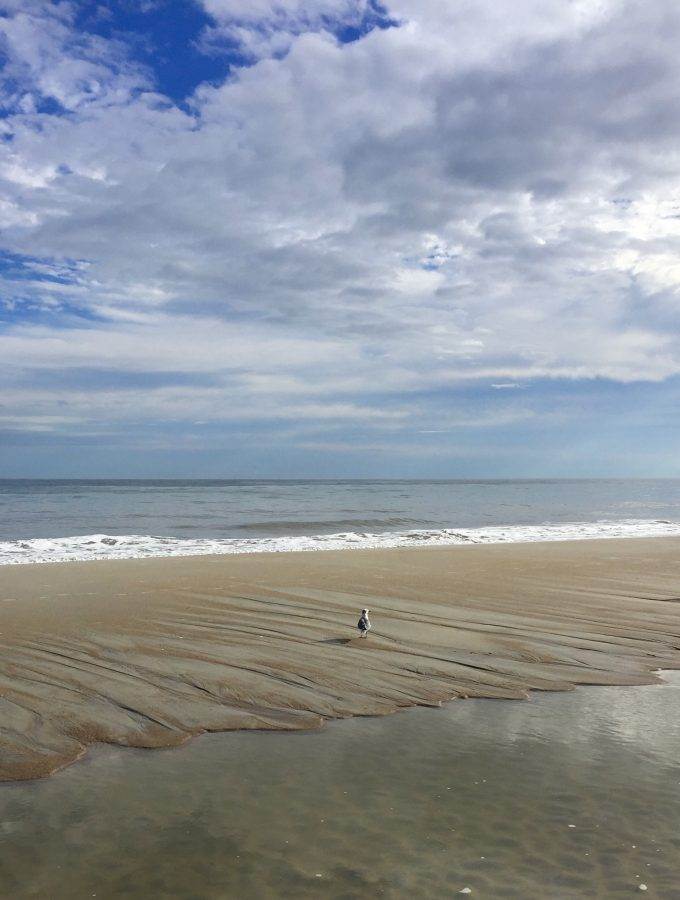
91,547
149,652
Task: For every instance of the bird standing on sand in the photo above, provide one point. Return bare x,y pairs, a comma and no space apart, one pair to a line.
364,623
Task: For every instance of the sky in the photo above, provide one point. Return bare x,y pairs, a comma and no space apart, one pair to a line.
335,237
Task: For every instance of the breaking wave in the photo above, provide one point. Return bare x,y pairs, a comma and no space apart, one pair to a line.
134,546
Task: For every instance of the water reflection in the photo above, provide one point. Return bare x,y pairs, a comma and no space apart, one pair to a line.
569,795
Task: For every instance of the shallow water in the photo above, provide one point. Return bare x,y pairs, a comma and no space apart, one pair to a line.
480,794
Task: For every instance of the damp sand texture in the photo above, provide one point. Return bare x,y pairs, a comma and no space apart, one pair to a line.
147,653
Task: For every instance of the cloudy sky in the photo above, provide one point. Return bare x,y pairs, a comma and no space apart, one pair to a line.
336,237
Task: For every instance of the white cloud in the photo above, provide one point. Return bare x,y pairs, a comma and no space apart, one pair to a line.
263,28
46,58
470,196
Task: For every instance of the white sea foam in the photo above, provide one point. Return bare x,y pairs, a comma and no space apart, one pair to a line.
134,546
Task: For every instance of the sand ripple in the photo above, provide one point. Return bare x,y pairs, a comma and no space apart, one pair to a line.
147,653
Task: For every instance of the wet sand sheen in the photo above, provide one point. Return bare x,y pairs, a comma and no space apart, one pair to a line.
571,796
147,653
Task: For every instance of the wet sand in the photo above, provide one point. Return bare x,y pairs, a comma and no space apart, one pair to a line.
567,797
147,653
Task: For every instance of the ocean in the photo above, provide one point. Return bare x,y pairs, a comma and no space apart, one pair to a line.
56,520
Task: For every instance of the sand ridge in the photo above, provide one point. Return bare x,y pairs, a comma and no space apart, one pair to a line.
147,653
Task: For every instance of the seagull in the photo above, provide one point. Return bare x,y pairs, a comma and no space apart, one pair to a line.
364,624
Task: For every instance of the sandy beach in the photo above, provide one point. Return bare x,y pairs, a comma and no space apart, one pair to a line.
147,653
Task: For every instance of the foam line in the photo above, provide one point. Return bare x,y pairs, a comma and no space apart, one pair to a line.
133,546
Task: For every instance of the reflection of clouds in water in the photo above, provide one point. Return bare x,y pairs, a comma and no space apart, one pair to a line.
645,717
419,804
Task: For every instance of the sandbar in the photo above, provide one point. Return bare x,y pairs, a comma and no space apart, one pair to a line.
149,652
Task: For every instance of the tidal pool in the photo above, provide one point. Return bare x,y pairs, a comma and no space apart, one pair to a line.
565,796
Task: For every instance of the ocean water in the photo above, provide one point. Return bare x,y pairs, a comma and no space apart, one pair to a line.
89,519
561,797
